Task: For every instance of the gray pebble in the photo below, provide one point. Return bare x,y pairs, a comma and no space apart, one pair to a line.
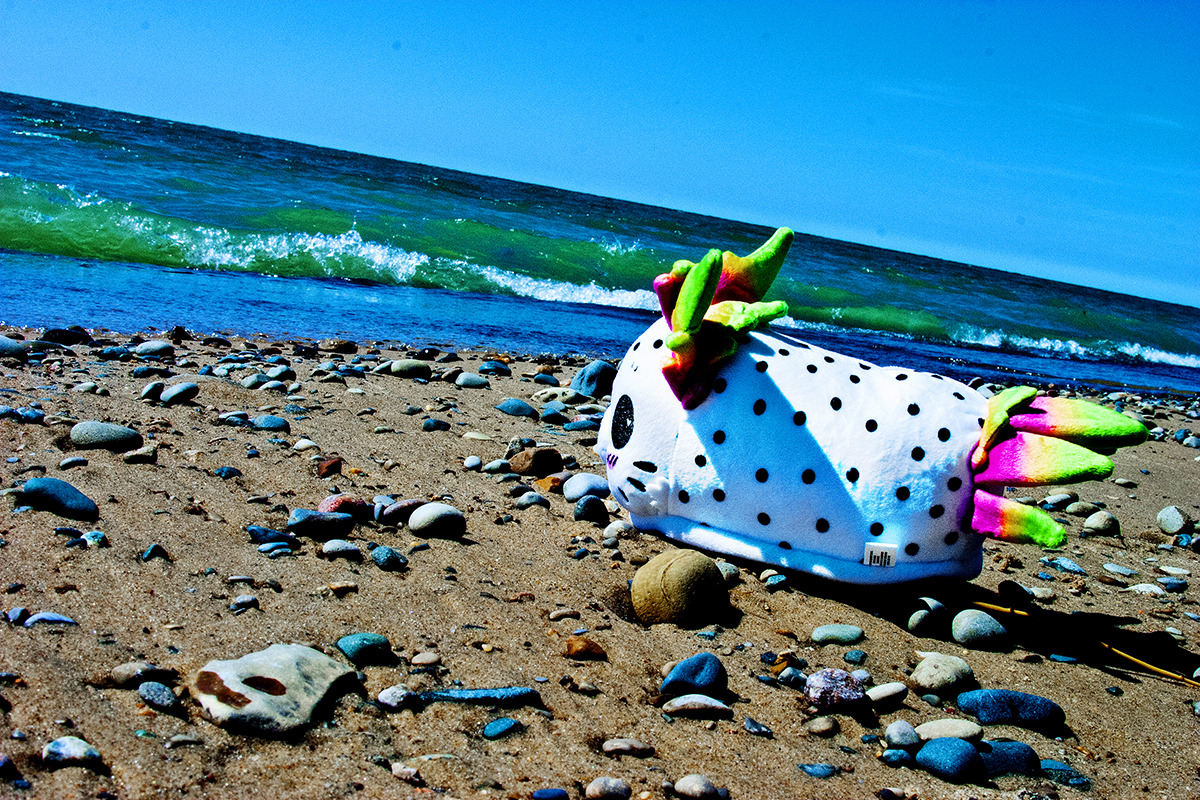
71,751
608,788
1101,523
243,602
340,548
901,734
696,786
158,695
977,629
438,520
837,633
105,435
179,393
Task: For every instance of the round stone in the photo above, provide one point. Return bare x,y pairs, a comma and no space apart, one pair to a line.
504,726
1101,523
901,734
584,483
71,751
822,726
437,520
679,586
340,548
833,688
365,649
623,746
608,788
469,380
696,786
887,696
179,393
590,508
978,629
938,672
158,695
952,760
387,559
1173,520
91,434
702,673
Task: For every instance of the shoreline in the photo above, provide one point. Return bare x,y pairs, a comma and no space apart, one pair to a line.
496,607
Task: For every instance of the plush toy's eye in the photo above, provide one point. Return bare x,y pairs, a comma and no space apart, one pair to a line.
622,425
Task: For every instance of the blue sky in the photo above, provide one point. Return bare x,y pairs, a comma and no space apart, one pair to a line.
1060,139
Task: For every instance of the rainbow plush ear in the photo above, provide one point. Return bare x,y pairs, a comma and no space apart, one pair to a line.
1033,441
708,303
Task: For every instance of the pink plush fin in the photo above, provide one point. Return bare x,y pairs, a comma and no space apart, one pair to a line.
1077,421
747,278
1028,459
691,367
994,424
1010,521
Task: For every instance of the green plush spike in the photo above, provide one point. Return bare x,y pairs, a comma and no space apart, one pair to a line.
695,295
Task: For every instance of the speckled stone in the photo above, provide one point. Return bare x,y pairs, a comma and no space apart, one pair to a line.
71,751
938,673
1006,707
833,688
978,629
702,673
608,788
953,760
438,520
92,434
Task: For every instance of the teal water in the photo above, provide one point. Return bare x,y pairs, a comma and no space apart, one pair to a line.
108,219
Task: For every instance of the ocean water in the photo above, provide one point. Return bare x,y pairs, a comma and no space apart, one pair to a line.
132,224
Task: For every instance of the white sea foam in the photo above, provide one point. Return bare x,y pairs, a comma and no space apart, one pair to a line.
566,292
969,334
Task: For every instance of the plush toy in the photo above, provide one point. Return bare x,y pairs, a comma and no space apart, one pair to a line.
733,437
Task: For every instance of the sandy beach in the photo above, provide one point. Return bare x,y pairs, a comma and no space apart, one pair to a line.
496,606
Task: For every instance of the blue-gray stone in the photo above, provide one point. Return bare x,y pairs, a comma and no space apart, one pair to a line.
978,629
952,760
274,549
1063,564
790,676
95,539
504,726
17,615
1006,707
158,695
590,508
551,794
897,758
530,499
151,372
388,559
155,551
320,524
582,425
584,483
156,348
515,407
340,548
1009,758
1065,774
1117,569
58,497
70,462
554,417
469,380
225,473
595,380
502,697
114,354
281,373
775,583
254,381
261,535
270,422
702,673
366,649
107,435
179,393
837,633
153,390
546,379
822,771
30,416
855,657
71,751
11,348
494,368
48,618
756,728
1173,584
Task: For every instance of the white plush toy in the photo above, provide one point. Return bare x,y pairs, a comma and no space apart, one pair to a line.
732,437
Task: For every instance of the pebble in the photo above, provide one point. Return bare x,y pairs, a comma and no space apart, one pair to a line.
696,786
697,705
1173,584
978,629
624,746
58,497
608,788
270,422
11,348
71,751
1063,564
494,368
897,758
225,473
538,462
531,499
937,672
70,462
1101,523
243,602
1009,758
515,407
133,673
756,728
366,649
953,728
790,676
901,734
550,794
179,393
591,508
583,648
473,463
319,525
822,771
151,391
855,657
1059,501
702,673
340,548
92,434
887,696
269,693
1063,773
679,586
1117,569
1173,520
837,634
155,348
953,760
501,727
1006,707
833,688
822,726
1146,588
584,483
154,551
48,618
595,380
388,559
158,696
1081,509
437,520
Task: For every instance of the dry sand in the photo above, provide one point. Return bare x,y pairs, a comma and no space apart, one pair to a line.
483,603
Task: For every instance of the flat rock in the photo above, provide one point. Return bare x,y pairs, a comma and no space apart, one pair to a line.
366,649
887,696
58,497
515,407
1009,758
319,525
837,633
1006,707
269,693
702,673
132,673
953,760
178,393
697,705
584,483
624,746
93,434
608,788
696,786
951,727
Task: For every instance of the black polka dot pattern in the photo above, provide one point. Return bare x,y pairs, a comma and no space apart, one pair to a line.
701,461
719,495
761,475
799,418
719,437
719,385
764,518
808,476
760,407
683,496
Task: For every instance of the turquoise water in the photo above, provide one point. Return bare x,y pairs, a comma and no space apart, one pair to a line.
108,219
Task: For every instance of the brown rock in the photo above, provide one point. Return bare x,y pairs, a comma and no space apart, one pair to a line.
540,462
583,648
327,467
679,586
343,346
551,484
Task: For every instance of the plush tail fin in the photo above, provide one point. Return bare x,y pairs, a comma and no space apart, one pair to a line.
1033,441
